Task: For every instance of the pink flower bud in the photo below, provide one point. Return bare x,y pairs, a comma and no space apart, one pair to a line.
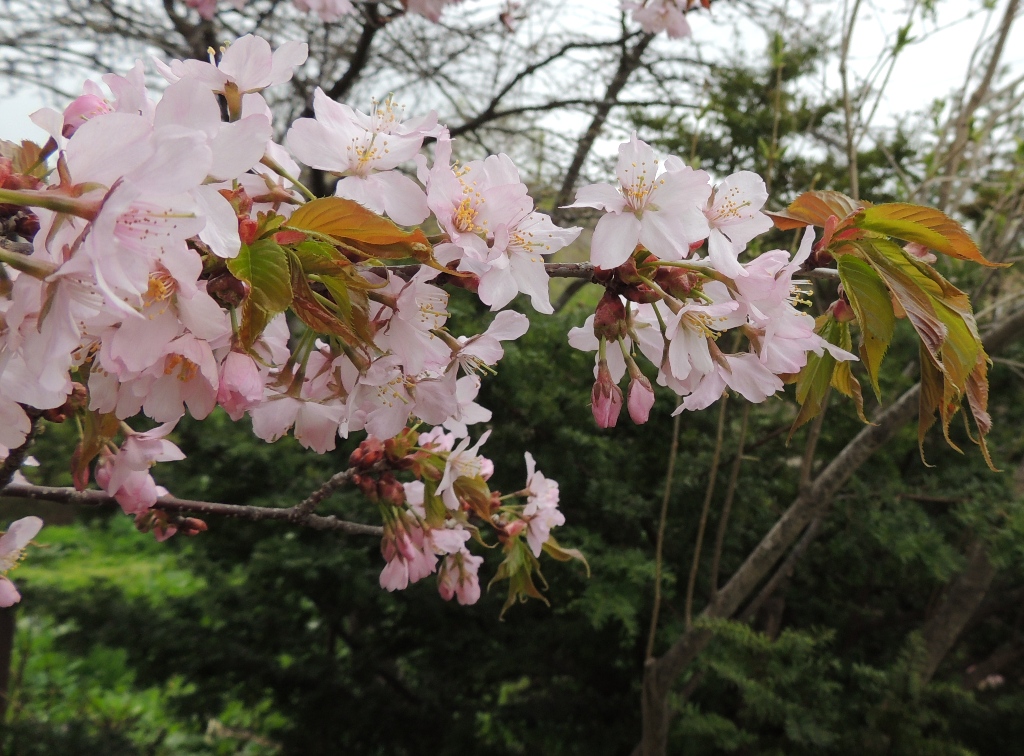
81,110
515,527
641,399
241,385
606,398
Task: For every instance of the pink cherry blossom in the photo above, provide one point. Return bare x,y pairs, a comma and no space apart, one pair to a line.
541,510
658,204
247,65
605,398
241,384
363,149
734,214
656,16
12,544
458,576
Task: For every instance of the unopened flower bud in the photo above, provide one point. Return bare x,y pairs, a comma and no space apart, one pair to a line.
676,281
606,398
248,230
842,311
610,317
81,110
192,526
390,490
367,454
694,246
640,398
367,485
227,289
515,527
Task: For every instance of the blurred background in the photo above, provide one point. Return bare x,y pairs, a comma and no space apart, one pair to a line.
893,626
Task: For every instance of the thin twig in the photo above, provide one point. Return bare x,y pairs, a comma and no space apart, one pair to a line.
702,525
659,546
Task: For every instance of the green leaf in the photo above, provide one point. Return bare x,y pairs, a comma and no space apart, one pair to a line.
555,551
843,379
870,300
923,225
264,266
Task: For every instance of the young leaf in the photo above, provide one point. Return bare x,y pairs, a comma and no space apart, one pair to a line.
362,230
924,225
315,313
870,300
815,208
264,266
555,551
816,376
843,379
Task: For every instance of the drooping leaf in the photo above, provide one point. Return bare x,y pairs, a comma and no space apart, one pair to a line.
518,569
870,300
359,229
924,225
815,208
843,379
816,376
554,550
316,314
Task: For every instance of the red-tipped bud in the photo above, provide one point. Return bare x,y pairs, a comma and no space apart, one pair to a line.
248,230
390,490
606,398
842,311
515,527
610,317
677,281
367,485
191,526
367,454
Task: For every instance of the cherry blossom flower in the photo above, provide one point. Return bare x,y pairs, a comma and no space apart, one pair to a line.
462,462
430,9
656,16
247,65
541,510
734,214
459,577
658,204
364,149
12,544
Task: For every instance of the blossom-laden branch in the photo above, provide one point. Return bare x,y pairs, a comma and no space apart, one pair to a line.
156,285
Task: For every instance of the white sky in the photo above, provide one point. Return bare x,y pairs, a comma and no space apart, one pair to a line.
926,71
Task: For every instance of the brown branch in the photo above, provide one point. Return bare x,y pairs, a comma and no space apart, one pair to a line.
174,504
360,57
628,63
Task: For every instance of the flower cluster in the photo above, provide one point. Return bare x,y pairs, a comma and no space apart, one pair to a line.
429,521
673,304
